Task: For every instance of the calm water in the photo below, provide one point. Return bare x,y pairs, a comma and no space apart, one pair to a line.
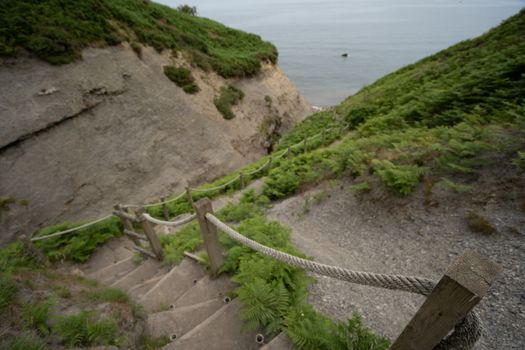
378,35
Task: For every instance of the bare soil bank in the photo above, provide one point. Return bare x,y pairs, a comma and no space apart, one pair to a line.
77,139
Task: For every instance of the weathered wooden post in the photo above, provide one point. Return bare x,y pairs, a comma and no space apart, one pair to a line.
289,152
165,211
150,234
270,163
465,282
209,233
305,144
241,180
33,251
189,196
128,226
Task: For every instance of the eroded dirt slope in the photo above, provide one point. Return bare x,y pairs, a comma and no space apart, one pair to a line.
79,138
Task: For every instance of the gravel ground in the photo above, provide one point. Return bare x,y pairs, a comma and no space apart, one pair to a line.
380,233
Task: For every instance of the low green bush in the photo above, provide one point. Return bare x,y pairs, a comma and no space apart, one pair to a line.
182,77
23,341
8,291
402,179
77,245
83,329
228,96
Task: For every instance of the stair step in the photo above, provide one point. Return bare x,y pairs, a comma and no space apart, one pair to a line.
177,322
113,251
137,291
206,289
141,273
280,342
170,287
222,330
113,271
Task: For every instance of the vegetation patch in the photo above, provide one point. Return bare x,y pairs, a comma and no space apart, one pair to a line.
478,223
41,307
77,245
182,77
57,30
228,96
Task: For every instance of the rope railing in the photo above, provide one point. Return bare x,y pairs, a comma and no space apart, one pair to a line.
199,190
56,234
466,333
183,221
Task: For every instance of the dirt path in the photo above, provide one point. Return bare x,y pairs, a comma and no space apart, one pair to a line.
379,233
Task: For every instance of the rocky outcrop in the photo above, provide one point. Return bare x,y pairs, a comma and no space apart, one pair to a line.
79,138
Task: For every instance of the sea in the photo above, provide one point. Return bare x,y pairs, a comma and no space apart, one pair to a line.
377,36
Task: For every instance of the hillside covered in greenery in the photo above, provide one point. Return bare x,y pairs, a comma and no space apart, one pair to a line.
447,115
57,30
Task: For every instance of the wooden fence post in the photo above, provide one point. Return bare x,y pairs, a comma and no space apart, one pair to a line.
270,163
189,196
289,152
127,224
209,234
323,137
241,180
465,282
33,251
305,144
165,210
150,234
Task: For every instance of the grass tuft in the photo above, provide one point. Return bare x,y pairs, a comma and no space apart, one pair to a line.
228,97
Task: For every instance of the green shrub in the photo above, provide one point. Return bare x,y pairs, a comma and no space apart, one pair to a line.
83,329
7,292
459,188
187,9
137,49
23,341
182,77
402,179
78,245
108,295
36,316
174,246
228,97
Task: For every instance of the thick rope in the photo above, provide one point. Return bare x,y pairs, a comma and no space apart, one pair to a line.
220,187
154,204
56,234
466,333
149,218
249,173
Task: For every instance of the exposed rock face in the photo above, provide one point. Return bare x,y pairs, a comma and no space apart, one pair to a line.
77,139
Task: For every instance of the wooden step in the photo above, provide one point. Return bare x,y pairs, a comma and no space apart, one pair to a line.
140,274
171,286
206,289
222,330
280,342
178,321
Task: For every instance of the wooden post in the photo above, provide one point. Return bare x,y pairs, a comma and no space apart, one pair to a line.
305,144
323,137
209,234
270,163
189,196
150,234
33,251
165,210
127,224
289,152
241,180
465,282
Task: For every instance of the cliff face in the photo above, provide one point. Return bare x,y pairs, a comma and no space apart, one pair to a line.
111,128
